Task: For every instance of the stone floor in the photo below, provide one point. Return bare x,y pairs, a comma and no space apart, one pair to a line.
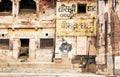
14,71
42,72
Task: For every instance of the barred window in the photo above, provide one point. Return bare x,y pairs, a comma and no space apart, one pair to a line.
4,43
47,43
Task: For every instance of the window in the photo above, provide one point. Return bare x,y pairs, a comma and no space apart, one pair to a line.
81,8
4,44
5,7
27,6
46,43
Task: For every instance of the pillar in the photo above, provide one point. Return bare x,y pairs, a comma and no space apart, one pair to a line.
15,48
37,7
15,9
32,48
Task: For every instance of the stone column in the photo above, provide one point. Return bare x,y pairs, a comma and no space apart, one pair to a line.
15,9
15,48
37,8
32,48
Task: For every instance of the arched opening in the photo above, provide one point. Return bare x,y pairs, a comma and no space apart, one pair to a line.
5,7
27,6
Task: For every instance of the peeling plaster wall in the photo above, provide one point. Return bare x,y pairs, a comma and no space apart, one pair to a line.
115,17
116,22
47,15
107,35
5,20
47,10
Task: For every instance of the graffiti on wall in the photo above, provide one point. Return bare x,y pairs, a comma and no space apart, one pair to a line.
91,8
70,9
65,46
65,9
72,27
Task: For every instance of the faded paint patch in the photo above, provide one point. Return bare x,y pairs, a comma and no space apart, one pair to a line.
82,46
6,19
24,33
47,15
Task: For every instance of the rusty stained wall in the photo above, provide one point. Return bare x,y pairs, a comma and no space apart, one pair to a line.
46,15
115,28
106,36
47,10
115,17
108,30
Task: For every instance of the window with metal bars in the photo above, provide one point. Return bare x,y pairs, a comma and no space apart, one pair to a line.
4,44
47,43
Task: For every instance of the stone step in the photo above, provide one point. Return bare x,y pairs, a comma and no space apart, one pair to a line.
39,64
66,60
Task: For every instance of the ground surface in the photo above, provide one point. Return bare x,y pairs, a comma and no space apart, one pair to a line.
42,72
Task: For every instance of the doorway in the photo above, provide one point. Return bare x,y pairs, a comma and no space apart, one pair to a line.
24,48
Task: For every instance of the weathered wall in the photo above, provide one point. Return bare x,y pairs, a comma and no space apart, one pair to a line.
47,10
108,34
71,23
73,34
30,26
115,16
